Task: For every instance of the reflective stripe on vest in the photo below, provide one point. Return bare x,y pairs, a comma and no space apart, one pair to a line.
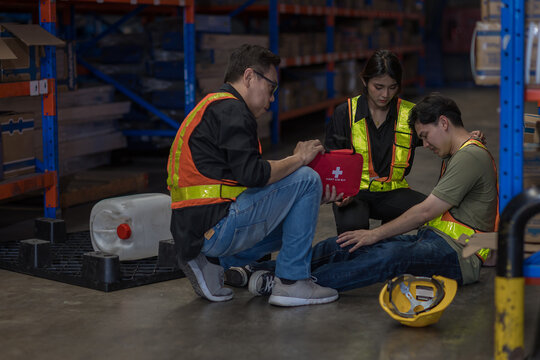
206,192
188,187
401,150
448,225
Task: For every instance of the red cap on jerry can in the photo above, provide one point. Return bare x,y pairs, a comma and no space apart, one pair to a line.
123,231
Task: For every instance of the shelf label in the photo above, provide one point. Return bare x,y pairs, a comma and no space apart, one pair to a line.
34,88
43,86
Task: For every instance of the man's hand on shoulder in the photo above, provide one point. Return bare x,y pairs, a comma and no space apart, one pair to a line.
478,135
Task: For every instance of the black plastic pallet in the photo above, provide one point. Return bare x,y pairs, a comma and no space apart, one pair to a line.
66,262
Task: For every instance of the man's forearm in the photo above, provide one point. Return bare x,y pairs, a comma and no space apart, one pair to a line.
281,168
409,220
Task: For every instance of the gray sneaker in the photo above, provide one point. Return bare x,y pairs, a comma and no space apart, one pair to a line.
206,279
302,292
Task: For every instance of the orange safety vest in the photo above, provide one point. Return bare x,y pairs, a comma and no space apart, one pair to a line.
452,227
187,185
401,149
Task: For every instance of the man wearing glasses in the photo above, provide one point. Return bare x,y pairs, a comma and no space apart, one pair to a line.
229,203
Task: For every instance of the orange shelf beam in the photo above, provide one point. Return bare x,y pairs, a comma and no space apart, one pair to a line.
26,183
341,56
532,94
142,2
286,115
316,11
304,10
26,88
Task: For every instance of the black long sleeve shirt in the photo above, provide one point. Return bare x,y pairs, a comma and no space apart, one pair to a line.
338,134
223,146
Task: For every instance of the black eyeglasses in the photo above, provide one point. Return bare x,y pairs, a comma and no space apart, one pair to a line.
273,83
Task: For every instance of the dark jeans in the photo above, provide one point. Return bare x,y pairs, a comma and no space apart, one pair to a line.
383,206
424,254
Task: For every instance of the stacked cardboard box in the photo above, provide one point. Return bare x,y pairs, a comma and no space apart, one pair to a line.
17,147
491,10
293,94
87,127
302,44
210,73
20,55
486,46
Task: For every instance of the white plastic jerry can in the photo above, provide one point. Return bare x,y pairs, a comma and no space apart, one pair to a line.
131,226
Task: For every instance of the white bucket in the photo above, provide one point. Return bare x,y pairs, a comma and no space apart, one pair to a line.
131,226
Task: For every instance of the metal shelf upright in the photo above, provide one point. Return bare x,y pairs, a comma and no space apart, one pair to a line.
515,206
47,177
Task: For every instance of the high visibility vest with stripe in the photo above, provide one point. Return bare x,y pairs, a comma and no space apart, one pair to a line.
187,185
401,150
452,227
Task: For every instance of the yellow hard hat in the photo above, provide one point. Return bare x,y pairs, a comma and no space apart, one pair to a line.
417,300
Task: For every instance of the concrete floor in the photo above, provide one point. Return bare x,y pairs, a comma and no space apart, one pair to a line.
48,320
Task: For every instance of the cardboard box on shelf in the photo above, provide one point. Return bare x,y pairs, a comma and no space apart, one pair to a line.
19,55
17,143
220,41
491,10
531,168
531,178
486,54
532,129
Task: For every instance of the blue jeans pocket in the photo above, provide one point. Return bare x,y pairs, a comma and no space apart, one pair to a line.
246,237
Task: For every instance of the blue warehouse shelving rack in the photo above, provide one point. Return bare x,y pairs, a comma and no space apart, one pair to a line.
276,8
331,12
133,8
516,207
47,176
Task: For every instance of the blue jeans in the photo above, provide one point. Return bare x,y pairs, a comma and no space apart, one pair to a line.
424,254
281,216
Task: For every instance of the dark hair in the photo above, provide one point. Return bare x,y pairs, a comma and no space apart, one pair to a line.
249,56
431,107
382,62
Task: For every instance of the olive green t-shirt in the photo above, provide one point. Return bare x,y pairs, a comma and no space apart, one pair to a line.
469,184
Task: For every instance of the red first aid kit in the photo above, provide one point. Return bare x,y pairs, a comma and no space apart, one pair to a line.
342,168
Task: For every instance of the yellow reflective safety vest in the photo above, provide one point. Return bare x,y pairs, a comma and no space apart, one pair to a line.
401,150
187,185
452,227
